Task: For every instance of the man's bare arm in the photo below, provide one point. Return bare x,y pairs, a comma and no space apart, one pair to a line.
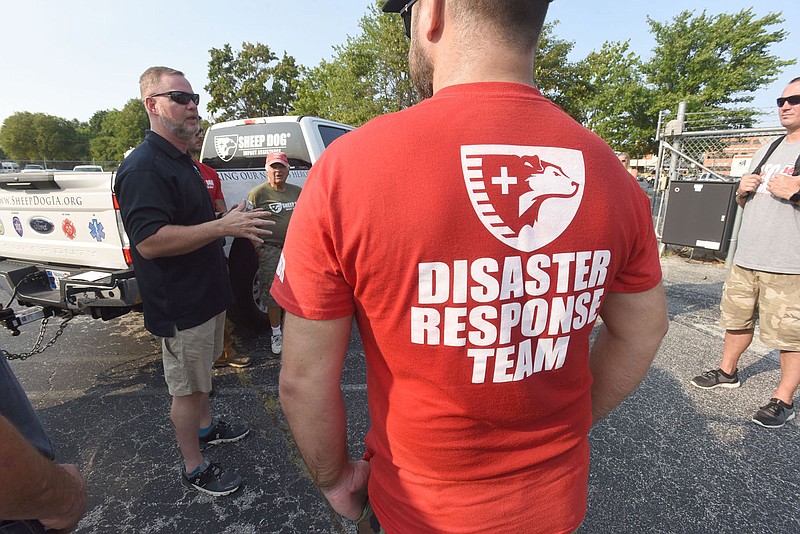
174,240
633,326
311,397
33,487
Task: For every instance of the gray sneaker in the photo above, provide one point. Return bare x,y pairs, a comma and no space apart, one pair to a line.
717,378
212,480
774,414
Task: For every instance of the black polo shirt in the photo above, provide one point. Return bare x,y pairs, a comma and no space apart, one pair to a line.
157,185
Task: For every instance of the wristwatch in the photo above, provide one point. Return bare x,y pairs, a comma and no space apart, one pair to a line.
795,198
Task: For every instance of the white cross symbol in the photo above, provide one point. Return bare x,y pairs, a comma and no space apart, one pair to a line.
504,180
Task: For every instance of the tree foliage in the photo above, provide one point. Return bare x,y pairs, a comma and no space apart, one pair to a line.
115,131
618,106
29,136
713,61
558,78
368,75
252,82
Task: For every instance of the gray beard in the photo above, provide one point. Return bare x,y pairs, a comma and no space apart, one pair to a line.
181,131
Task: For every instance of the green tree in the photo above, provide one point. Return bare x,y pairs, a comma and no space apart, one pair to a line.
368,75
558,78
119,130
2,154
95,125
29,136
619,104
253,82
713,61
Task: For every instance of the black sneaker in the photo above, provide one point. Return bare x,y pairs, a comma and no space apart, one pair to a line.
212,480
717,378
774,414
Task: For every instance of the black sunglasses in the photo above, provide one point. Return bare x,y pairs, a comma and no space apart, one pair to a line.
405,14
181,97
792,100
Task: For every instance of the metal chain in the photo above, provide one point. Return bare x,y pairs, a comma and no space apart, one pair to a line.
37,347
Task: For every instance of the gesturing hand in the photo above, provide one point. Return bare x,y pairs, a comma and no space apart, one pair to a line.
247,224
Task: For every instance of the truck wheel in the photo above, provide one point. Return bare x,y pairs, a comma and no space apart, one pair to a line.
247,310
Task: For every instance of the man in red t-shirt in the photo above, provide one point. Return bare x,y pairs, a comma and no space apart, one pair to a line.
475,238
209,175
211,179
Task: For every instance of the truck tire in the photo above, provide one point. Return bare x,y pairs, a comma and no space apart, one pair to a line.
247,309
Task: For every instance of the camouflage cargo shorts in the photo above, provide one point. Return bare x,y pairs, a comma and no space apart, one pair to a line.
267,265
368,522
774,298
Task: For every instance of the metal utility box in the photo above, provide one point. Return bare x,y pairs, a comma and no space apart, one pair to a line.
700,214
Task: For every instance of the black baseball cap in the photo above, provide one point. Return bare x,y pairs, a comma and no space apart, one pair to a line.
394,6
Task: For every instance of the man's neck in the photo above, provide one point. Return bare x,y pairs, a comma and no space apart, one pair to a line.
505,71
793,136
491,64
181,144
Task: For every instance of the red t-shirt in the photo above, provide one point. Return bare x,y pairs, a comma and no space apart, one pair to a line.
211,178
473,236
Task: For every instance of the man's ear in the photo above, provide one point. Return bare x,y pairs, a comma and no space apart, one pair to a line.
431,19
150,104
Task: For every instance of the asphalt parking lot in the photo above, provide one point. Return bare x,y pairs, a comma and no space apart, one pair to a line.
671,459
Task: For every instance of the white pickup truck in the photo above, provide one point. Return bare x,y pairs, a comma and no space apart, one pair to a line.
63,248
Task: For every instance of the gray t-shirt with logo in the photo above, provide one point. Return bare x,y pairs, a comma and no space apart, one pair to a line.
769,238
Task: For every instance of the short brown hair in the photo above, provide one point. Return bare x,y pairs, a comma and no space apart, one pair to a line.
517,22
149,80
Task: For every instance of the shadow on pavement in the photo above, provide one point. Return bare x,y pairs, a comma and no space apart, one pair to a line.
661,464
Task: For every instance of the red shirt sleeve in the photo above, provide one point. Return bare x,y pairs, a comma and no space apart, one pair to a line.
643,268
310,280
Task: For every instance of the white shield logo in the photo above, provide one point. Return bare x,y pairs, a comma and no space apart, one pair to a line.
526,196
226,145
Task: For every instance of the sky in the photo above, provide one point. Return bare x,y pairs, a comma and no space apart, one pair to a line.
71,58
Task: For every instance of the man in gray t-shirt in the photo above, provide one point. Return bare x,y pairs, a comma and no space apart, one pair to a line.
765,278
32,486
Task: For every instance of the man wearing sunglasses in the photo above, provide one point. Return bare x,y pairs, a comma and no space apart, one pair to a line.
765,278
176,244
475,237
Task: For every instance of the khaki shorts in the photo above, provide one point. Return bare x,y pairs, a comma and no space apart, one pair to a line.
189,355
267,265
774,298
